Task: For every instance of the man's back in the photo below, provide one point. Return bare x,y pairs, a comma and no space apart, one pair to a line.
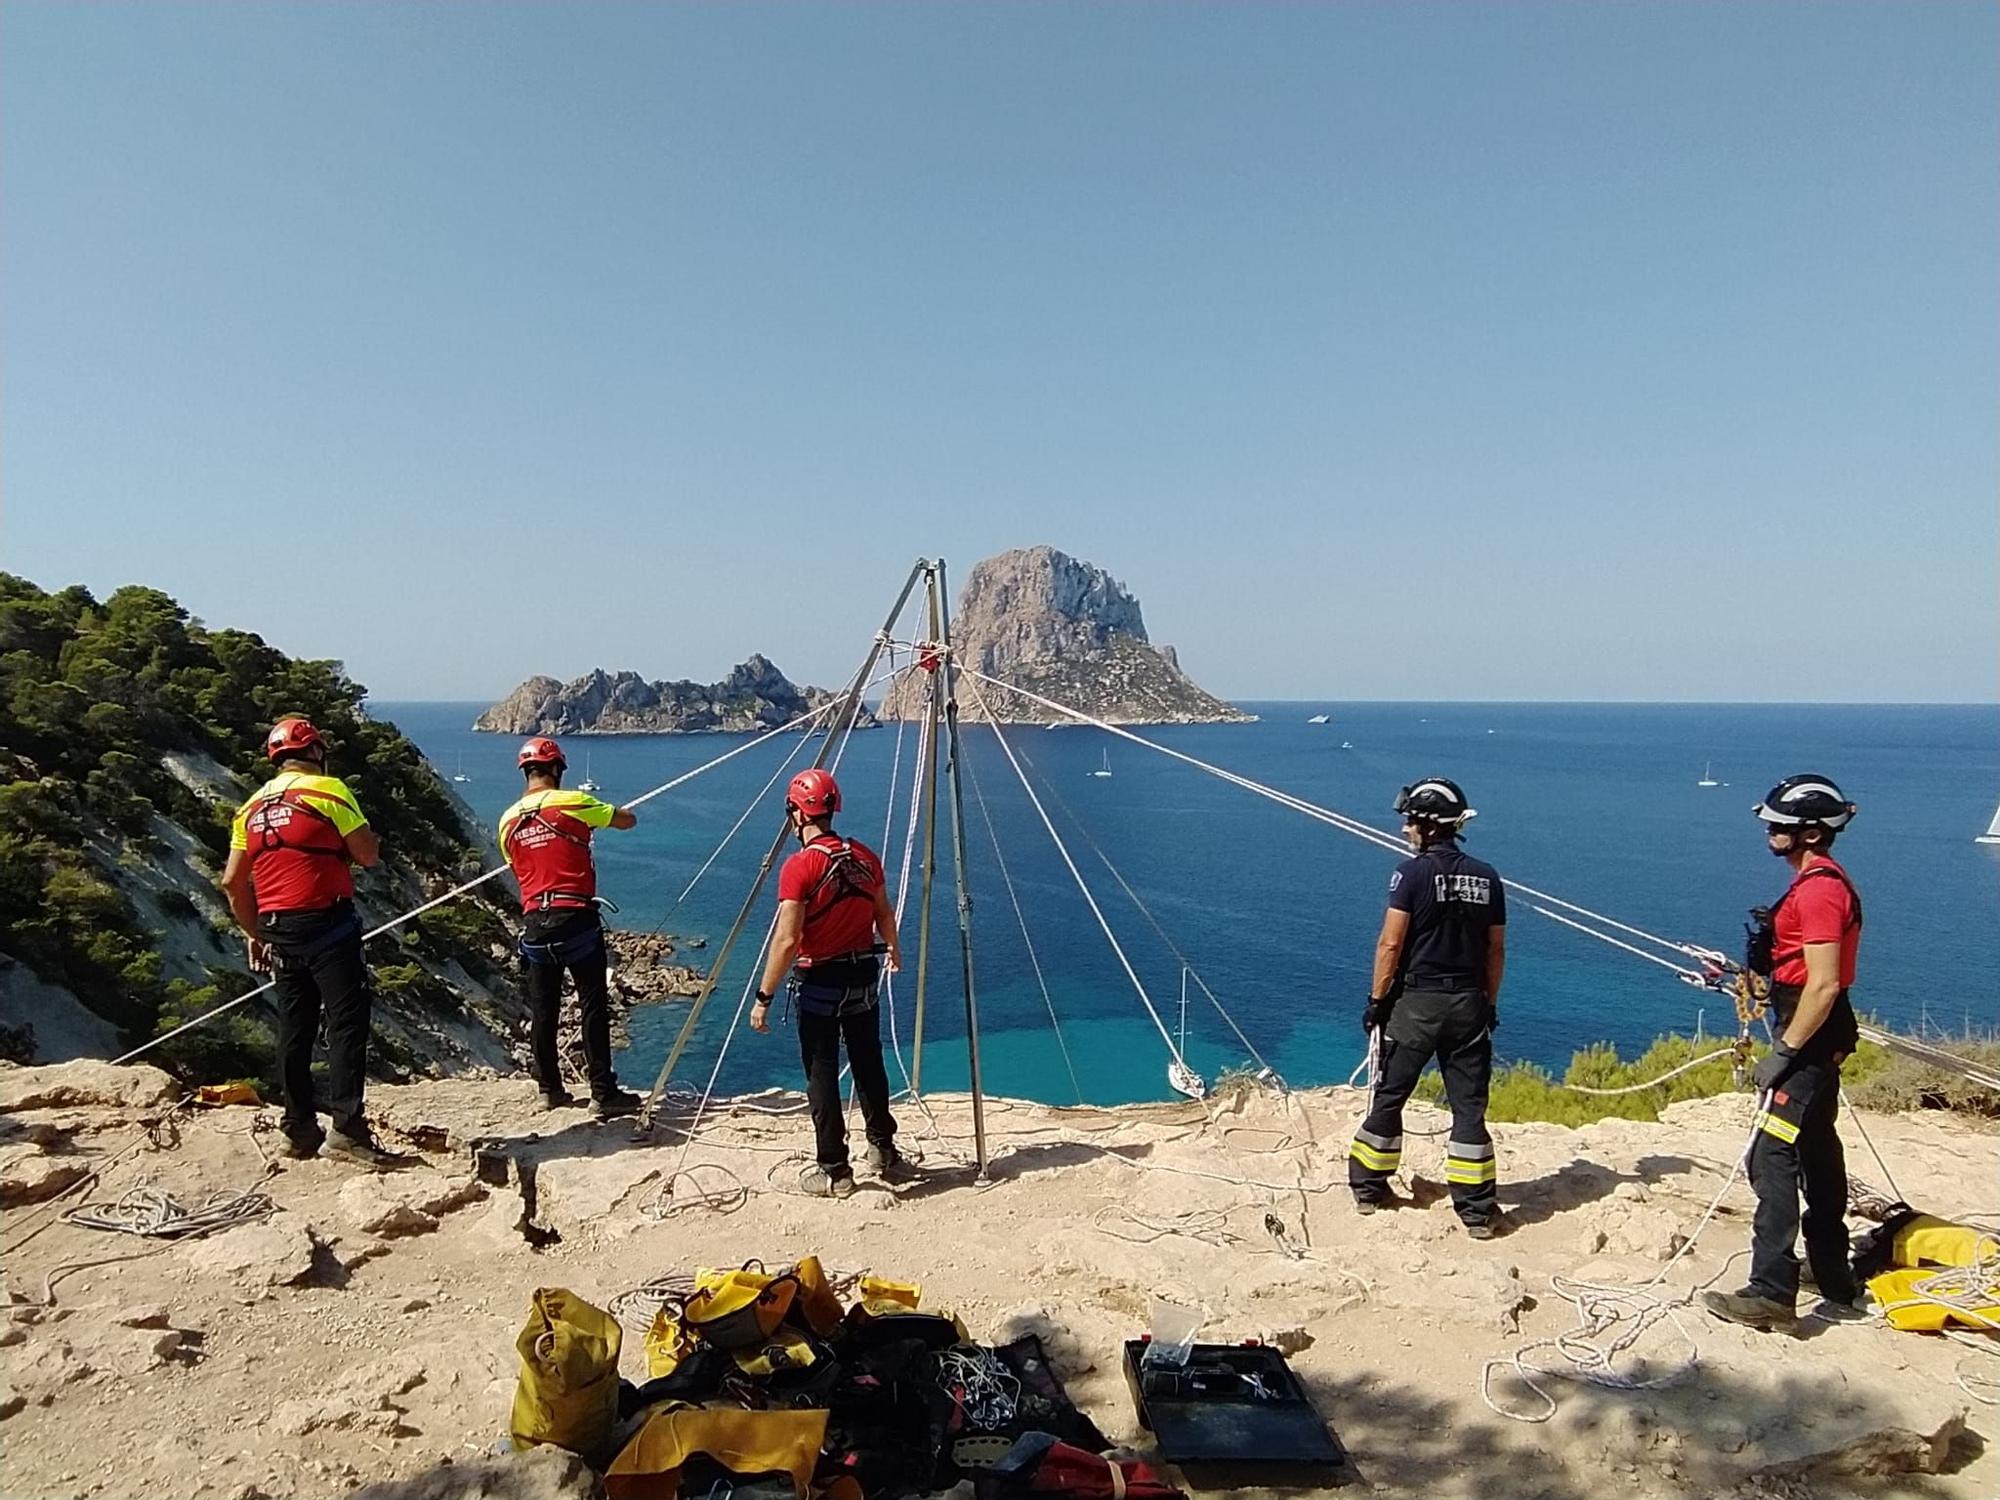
1453,901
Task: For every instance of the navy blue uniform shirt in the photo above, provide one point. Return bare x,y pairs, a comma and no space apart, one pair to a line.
1452,900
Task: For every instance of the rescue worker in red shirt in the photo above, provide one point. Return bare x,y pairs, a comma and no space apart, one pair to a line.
834,918
291,888
1807,945
546,839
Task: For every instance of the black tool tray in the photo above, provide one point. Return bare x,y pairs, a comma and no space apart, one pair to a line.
1211,1413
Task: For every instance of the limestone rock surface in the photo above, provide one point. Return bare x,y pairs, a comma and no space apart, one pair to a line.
756,695
1066,629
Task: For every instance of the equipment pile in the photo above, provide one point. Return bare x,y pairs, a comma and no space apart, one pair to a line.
769,1383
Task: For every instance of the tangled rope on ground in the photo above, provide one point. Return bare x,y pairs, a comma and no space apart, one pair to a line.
155,1214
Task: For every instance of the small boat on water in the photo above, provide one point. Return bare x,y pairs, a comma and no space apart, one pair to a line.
1992,834
1317,719
1708,775
459,775
1180,1077
1105,769
589,783
1347,744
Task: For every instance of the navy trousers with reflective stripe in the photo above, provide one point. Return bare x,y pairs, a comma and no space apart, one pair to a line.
1452,1028
1797,1150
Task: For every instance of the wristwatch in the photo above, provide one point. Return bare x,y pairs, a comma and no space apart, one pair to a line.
762,998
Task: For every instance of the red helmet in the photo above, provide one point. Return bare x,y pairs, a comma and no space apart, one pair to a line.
814,793
541,751
292,736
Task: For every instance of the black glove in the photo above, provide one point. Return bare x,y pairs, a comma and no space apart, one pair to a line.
1774,1065
1374,1013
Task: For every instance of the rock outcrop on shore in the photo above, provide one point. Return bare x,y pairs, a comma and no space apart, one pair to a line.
756,695
363,1333
1070,631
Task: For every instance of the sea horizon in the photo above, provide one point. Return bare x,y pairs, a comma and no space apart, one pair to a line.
1593,801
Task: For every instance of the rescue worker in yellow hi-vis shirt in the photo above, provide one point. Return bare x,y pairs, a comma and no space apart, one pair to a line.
546,839
290,884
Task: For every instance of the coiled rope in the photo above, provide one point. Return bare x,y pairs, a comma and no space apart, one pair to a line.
155,1214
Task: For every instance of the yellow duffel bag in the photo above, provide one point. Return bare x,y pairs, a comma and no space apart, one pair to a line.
567,1392
746,1443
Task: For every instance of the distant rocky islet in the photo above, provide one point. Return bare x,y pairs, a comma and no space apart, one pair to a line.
1036,617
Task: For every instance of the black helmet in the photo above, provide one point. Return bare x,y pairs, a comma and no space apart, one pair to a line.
1806,798
1434,800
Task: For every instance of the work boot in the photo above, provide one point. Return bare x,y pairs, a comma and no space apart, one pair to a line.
817,1182
362,1152
562,1099
617,1102
885,1161
1483,1229
293,1149
1751,1310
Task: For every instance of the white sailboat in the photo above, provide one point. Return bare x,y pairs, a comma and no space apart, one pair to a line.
1105,769
459,775
1317,719
589,783
1992,834
1180,1077
1708,775
1347,744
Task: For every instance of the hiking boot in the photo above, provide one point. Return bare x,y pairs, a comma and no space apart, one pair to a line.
1828,1310
817,1182
363,1153
296,1150
563,1100
1372,1205
1751,1310
885,1161
1483,1229
617,1102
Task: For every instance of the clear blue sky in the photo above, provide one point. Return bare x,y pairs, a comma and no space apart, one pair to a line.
1437,351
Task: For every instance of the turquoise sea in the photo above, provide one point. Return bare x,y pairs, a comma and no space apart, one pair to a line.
1596,803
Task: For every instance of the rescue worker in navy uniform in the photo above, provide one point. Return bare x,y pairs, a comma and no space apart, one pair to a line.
290,884
545,837
834,918
1807,944
1435,993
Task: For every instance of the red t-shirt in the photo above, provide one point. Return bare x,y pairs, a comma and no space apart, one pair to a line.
839,896
546,838
1819,908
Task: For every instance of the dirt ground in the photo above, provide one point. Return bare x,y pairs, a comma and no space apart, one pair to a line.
364,1331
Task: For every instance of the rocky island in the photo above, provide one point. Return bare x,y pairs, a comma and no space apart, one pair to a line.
1067,629
756,695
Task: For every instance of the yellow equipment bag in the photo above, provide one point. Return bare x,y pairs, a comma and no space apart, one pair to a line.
817,1305
883,1298
745,1442
738,1309
1940,1260
667,1343
567,1394
788,1350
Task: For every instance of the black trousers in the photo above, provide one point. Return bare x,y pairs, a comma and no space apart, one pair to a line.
1452,1027
543,982
312,975
1797,1151
820,1041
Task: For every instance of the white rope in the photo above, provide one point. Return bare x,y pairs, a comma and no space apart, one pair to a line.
1380,837
1172,947
1020,916
917,764
735,828
1600,1309
1076,874
1651,1083
149,1212
1854,1118
459,890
